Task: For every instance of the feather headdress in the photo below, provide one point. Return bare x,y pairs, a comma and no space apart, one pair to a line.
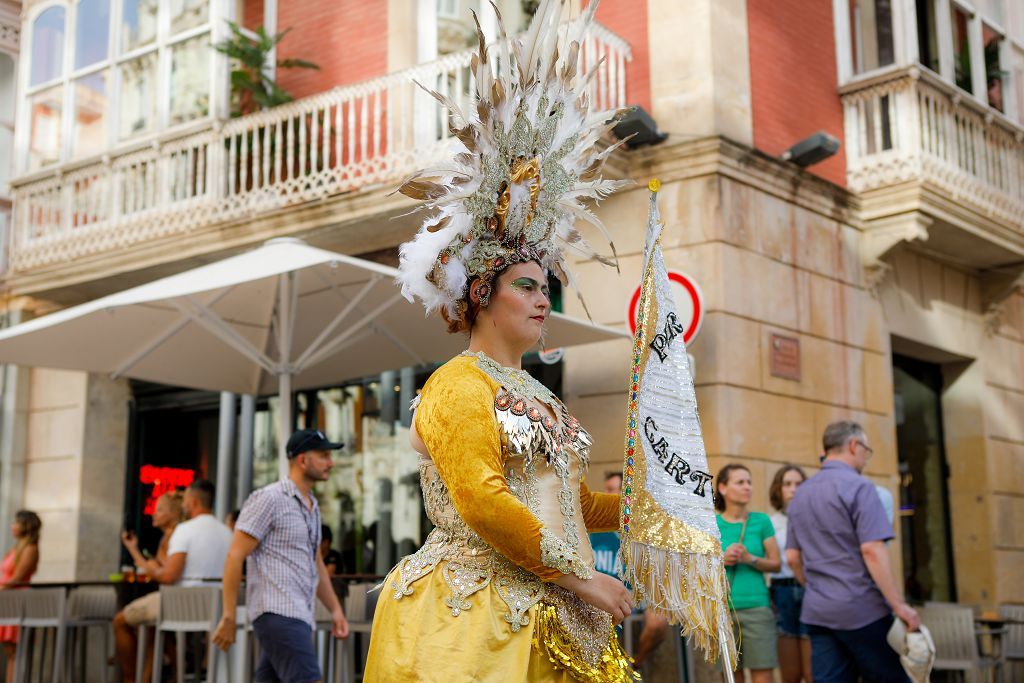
525,159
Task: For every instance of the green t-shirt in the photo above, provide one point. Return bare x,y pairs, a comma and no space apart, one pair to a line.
748,588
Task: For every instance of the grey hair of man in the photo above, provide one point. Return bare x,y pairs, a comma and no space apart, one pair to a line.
838,434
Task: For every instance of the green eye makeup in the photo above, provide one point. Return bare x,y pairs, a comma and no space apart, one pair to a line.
528,284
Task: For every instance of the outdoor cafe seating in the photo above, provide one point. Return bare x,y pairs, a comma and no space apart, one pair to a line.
58,620
981,645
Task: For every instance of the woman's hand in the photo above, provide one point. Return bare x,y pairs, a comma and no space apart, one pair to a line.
601,591
734,554
130,541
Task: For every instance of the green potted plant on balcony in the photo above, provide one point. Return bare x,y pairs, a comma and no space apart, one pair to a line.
251,87
253,90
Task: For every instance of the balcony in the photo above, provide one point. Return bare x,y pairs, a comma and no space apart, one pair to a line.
347,140
935,166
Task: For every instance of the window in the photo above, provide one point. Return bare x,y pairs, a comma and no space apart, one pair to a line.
448,9
961,48
7,90
927,38
48,46
1016,77
975,45
994,73
136,67
871,34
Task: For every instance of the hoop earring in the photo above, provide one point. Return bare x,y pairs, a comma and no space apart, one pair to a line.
483,293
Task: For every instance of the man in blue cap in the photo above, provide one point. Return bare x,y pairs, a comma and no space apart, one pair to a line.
278,531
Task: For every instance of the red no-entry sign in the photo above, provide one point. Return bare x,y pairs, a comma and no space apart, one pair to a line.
689,305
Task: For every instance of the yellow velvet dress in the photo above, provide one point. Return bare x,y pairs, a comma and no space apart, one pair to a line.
503,484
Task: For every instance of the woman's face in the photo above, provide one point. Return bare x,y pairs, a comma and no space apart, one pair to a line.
519,305
16,530
790,481
738,489
162,513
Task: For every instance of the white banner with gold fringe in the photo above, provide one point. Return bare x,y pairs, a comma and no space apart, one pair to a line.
671,547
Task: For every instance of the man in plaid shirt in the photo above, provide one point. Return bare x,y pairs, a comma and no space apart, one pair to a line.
278,530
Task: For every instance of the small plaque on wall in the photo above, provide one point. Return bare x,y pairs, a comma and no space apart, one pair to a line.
785,357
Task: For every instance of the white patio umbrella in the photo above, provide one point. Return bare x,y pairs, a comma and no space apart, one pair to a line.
281,317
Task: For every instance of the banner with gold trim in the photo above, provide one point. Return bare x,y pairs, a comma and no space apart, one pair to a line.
671,548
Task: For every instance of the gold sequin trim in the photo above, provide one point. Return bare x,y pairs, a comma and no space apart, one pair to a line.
578,638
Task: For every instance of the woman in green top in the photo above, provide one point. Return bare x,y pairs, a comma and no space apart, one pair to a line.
750,552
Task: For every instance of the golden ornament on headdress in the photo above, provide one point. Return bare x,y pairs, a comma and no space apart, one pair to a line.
522,171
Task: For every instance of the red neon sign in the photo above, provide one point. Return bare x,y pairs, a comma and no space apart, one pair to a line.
163,479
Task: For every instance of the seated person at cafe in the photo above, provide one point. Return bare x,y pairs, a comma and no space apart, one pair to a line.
332,558
195,551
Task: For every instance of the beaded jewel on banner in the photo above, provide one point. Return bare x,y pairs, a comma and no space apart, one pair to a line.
525,157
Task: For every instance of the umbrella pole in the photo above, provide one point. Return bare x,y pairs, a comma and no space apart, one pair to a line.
284,430
285,321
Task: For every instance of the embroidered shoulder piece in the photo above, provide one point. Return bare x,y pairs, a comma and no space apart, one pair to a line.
517,381
557,554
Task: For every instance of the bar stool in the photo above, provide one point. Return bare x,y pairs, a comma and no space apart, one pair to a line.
245,640
89,607
359,606
337,657
326,646
44,608
141,642
183,610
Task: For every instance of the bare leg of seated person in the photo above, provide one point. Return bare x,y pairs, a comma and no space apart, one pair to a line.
124,647
653,633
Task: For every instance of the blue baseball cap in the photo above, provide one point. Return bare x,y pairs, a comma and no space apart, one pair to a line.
309,440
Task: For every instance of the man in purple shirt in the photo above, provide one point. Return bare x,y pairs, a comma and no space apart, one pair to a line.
836,548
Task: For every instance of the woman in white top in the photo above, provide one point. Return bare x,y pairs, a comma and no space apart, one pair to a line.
787,595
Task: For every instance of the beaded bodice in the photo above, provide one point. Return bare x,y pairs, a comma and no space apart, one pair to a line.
545,453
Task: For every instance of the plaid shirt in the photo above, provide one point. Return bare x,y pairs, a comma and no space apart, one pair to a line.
282,573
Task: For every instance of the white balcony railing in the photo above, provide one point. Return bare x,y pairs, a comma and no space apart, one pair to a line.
910,125
339,141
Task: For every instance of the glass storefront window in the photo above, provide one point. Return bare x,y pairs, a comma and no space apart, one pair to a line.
138,95
186,14
92,32
45,109
264,465
138,24
190,80
90,132
48,46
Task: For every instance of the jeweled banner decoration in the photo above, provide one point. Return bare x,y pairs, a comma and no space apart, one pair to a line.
671,547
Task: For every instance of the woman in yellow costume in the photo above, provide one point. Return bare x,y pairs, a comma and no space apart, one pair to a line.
504,589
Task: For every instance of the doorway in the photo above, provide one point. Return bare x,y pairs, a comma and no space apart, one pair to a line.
924,499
